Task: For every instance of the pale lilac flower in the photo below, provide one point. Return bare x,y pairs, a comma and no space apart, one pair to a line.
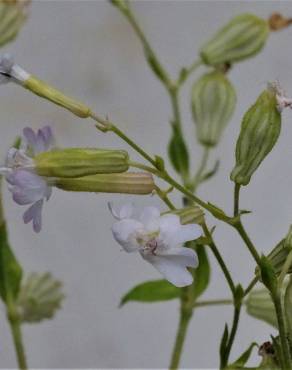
159,240
25,185
10,71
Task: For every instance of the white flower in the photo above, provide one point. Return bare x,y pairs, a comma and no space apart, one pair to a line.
282,100
159,241
10,71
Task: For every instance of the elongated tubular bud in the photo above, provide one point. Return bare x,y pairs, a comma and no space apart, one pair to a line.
190,215
260,129
259,304
124,183
48,92
242,37
12,16
213,103
77,162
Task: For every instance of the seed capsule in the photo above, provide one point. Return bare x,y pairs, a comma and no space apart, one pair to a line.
124,183
213,103
77,162
242,37
12,16
260,129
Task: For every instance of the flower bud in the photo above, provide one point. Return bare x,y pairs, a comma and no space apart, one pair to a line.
279,254
124,183
260,129
190,215
12,16
48,92
39,298
213,102
78,162
259,304
242,37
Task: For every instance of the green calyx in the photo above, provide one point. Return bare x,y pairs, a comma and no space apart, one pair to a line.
260,129
78,162
124,183
213,103
244,36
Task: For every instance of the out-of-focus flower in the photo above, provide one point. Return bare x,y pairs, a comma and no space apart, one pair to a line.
159,241
26,186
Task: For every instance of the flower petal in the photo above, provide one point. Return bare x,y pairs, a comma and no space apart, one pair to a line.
125,232
34,214
125,211
173,265
186,233
149,218
26,187
30,138
48,137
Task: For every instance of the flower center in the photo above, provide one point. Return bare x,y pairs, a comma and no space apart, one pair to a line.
149,243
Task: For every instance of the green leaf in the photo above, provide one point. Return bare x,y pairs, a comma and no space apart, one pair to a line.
202,272
10,270
223,345
210,173
152,291
242,360
178,152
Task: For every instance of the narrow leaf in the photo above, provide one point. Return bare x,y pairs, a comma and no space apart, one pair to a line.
202,272
10,270
242,360
152,291
178,153
223,345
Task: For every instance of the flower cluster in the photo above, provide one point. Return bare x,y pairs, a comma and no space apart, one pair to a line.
159,241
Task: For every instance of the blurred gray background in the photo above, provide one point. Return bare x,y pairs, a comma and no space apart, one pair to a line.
88,49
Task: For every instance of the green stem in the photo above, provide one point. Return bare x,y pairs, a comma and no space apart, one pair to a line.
15,328
251,285
219,259
213,302
185,317
236,199
204,160
234,327
282,331
241,231
188,71
163,196
285,269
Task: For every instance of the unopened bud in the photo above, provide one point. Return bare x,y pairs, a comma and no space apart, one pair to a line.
243,37
78,162
259,304
39,298
124,183
12,17
190,215
213,102
260,129
48,92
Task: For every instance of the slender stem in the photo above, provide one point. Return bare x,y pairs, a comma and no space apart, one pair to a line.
285,269
234,327
163,196
214,302
241,230
204,160
220,260
251,285
180,339
188,71
282,331
108,126
14,323
236,199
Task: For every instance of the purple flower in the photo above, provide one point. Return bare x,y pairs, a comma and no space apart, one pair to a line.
26,186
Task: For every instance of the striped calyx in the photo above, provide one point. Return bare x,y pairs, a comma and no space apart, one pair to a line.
12,16
213,102
77,162
243,37
260,129
124,183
